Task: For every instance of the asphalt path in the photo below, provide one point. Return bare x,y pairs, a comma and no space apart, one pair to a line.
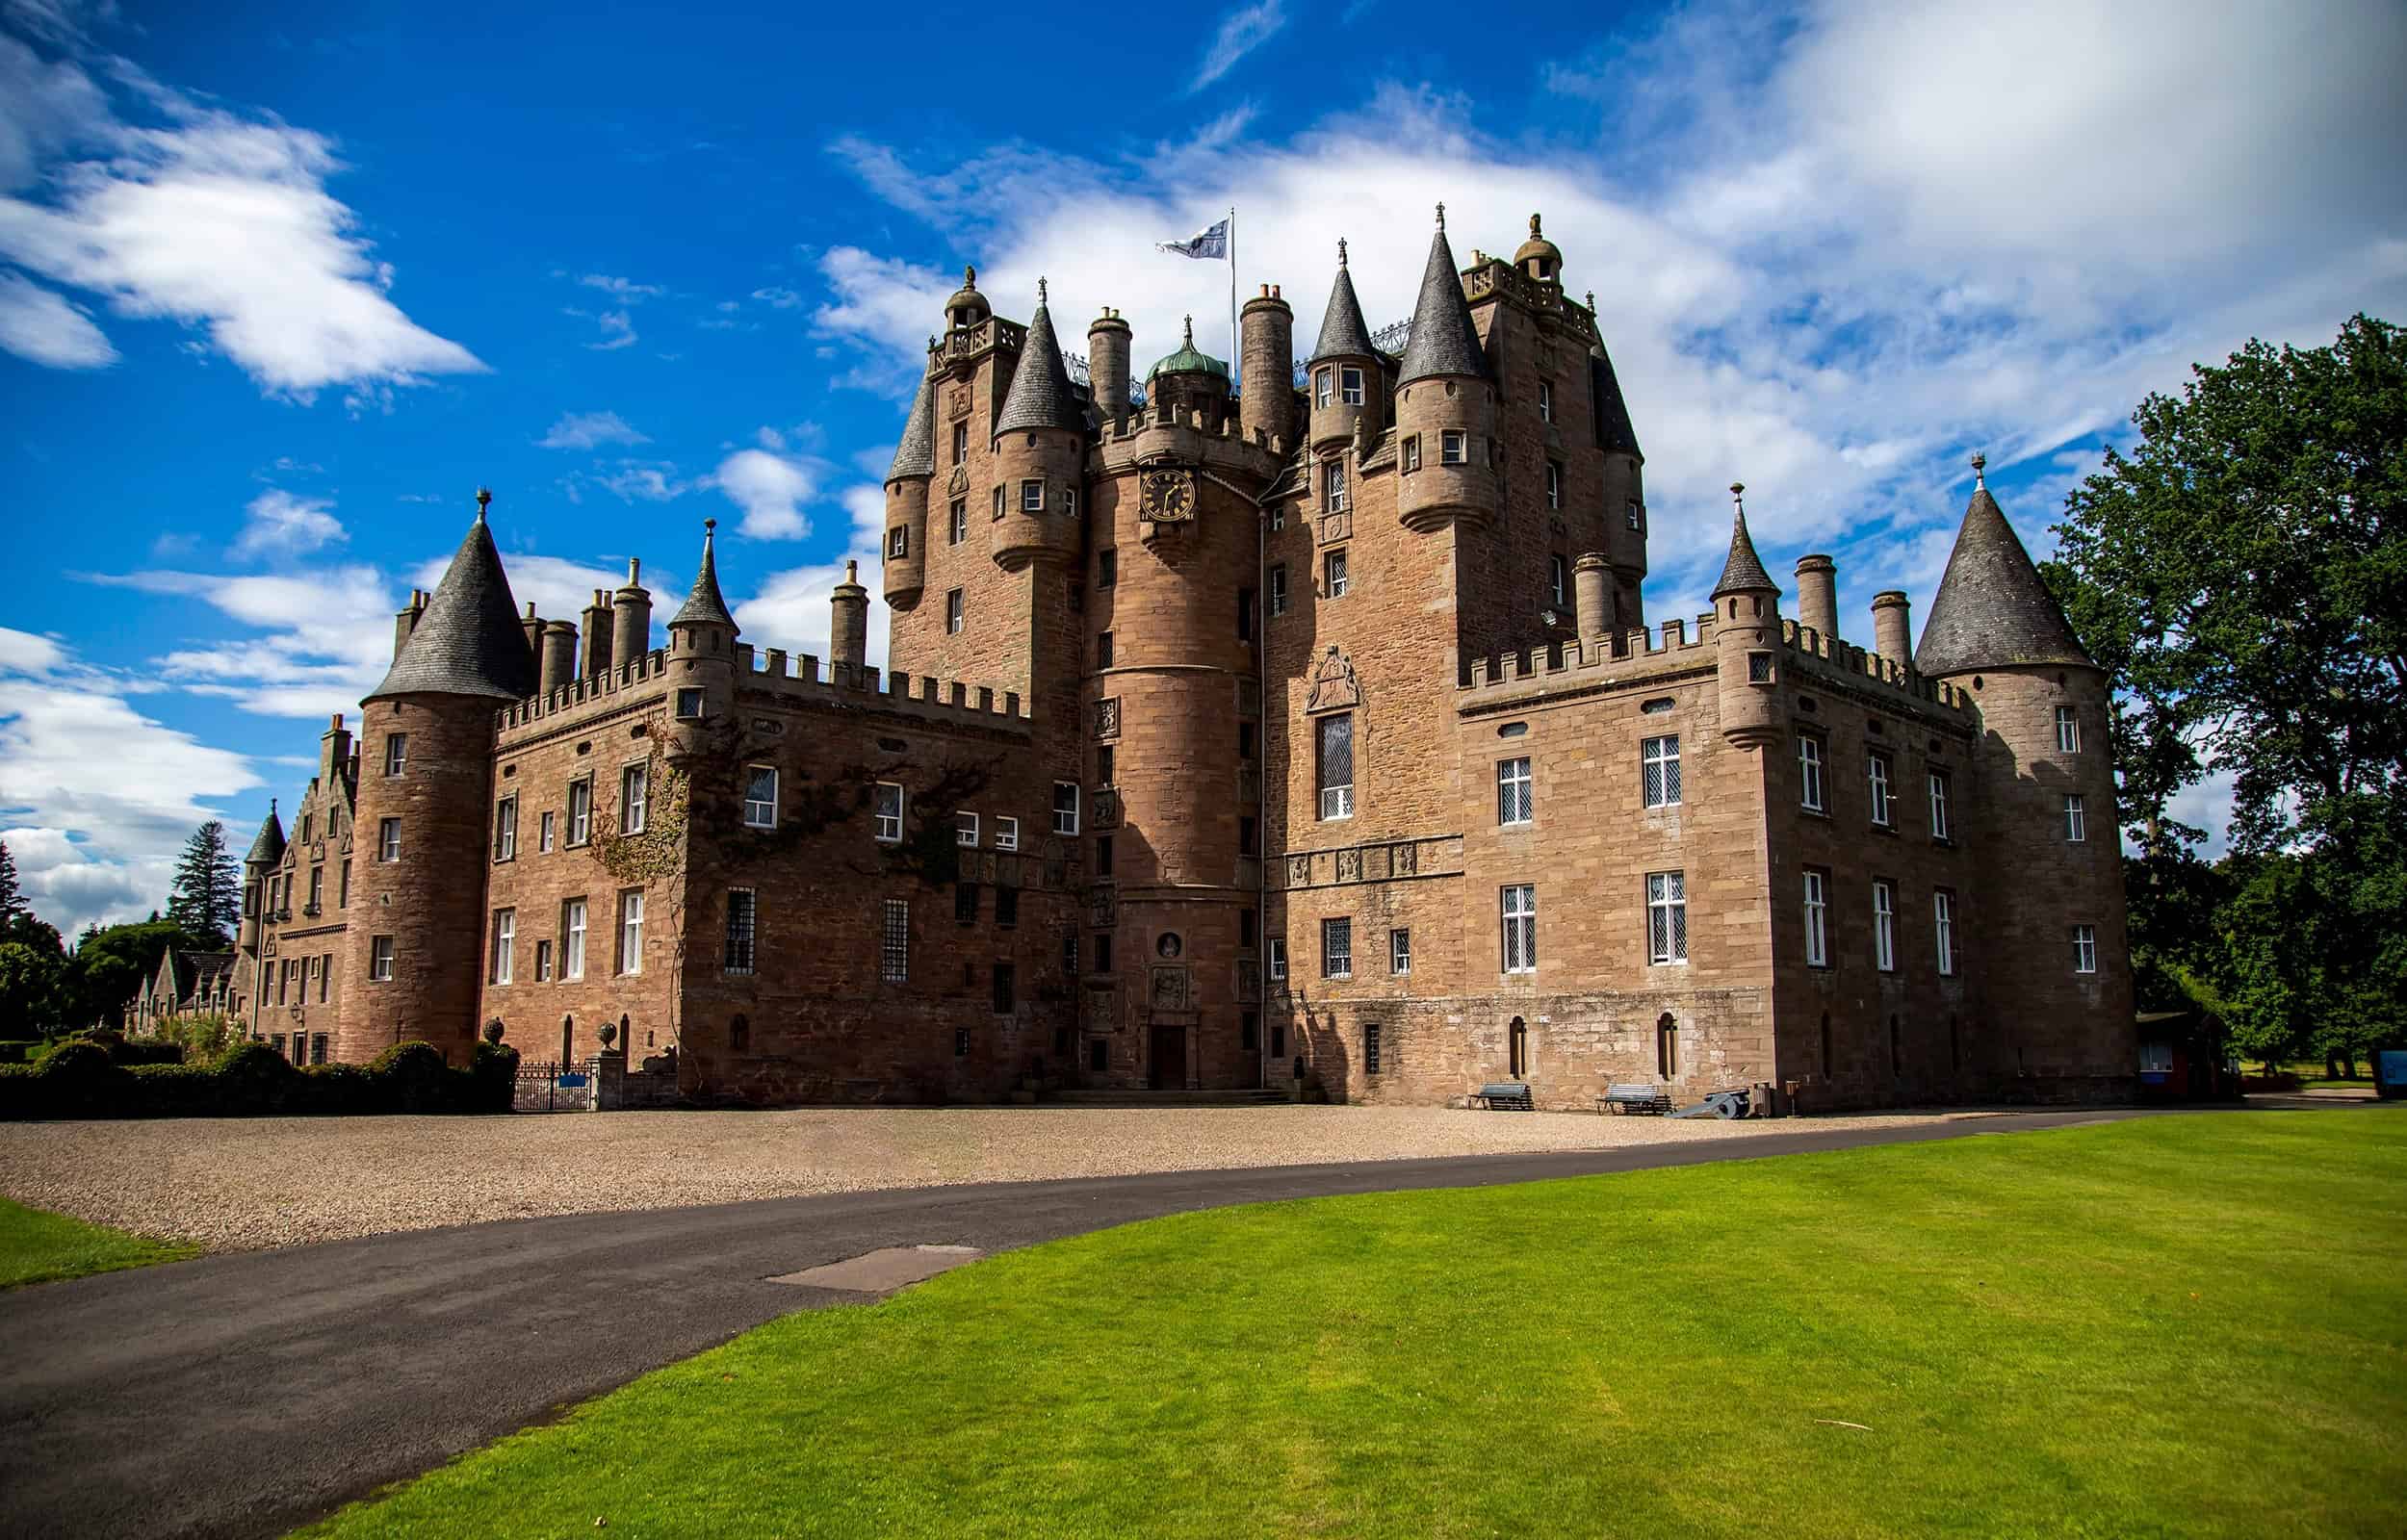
244,1395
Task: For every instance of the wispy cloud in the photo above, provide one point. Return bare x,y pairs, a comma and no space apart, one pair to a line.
1246,30
586,430
277,523
42,327
626,290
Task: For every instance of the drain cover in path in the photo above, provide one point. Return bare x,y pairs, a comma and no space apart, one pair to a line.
889,1268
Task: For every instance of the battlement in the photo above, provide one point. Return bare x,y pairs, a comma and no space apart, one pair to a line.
600,687
1571,660
1861,666
800,677
1229,426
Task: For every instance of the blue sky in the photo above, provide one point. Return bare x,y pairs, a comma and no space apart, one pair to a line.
280,285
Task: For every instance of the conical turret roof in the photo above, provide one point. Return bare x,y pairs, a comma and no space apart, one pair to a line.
1993,607
1743,572
1444,339
269,848
916,455
469,641
706,605
1613,433
1041,394
1343,332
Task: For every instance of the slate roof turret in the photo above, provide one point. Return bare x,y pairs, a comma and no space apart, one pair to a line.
706,605
269,848
1041,394
469,641
1743,573
1993,608
1343,332
1444,339
1615,434
916,455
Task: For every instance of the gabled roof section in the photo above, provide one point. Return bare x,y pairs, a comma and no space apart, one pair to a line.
1613,433
706,605
916,455
1041,394
269,848
1344,334
1993,607
1743,573
1444,339
469,641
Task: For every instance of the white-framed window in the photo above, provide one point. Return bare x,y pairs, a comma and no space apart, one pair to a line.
1070,503
1554,485
631,930
889,813
894,942
1332,751
1518,906
761,796
1324,386
743,914
2076,819
1350,385
1400,951
957,526
388,839
689,705
966,829
1545,401
505,945
961,442
1411,452
1276,956
2084,949
396,753
1809,774
543,960
2067,729
1876,782
1817,920
381,958
1337,949
1065,807
1278,590
1666,916
504,836
1334,485
1938,804
1031,497
581,809
1006,834
899,542
634,786
1513,791
1659,771
1559,581
573,938
956,613
999,499
547,833
1884,925
1943,931
1634,514
1336,568
1454,446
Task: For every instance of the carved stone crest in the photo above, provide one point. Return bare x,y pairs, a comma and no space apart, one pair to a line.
958,483
1333,685
1170,991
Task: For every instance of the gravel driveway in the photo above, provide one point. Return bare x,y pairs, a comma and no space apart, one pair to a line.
243,1184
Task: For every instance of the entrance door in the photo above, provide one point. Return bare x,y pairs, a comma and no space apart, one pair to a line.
1166,1065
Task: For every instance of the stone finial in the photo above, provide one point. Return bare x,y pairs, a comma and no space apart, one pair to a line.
484,495
969,275
1040,290
1342,252
1738,495
1533,227
1591,300
1190,331
1980,468
1441,215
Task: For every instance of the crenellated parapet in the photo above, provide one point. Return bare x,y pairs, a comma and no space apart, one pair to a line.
799,677
593,690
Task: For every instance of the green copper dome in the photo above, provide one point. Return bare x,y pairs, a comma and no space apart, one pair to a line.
1187,361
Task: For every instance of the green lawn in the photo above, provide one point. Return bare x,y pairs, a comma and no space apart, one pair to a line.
39,1247
2173,1327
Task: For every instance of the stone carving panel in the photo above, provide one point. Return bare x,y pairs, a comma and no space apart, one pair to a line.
1335,688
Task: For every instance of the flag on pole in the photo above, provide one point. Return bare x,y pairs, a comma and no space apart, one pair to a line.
1213,243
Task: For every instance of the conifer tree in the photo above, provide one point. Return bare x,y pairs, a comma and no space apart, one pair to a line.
11,900
206,899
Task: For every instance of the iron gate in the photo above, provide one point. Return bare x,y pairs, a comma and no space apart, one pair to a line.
554,1088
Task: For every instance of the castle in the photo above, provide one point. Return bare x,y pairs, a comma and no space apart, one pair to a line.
1247,727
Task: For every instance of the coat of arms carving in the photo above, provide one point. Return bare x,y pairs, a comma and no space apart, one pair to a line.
1333,685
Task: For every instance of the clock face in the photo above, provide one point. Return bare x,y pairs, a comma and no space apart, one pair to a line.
1169,495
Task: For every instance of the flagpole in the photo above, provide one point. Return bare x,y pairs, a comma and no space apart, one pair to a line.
1235,363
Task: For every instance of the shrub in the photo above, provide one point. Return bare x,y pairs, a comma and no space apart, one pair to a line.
120,1049
81,1079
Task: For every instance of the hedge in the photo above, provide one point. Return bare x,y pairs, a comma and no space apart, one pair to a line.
120,1049
80,1080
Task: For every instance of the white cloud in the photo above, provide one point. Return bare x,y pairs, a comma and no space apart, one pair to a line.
790,611
626,290
211,220
771,489
586,430
278,523
42,327
1246,30
618,330
777,299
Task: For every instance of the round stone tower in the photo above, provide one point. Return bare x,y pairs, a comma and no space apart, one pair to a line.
1344,366
1266,362
1445,406
2053,957
414,951
1040,456
1747,640
907,500
701,655
1107,339
1190,382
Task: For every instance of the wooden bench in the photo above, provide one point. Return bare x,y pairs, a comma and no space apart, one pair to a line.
1648,1101
1504,1096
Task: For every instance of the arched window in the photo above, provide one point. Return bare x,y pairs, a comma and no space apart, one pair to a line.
1517,1044
1667,1046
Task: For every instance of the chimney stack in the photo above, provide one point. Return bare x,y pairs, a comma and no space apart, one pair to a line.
1108,364
1818,597
1591,595
597,619
1893,627
557,666
407,621
848,628
630,617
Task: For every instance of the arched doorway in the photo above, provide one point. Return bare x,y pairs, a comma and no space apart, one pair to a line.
1517,1050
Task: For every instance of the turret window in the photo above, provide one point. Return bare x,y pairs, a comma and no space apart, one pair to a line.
2067,731
1454,446
1758,664
2084,949
1324,386
1031,497
690,702
396,753
898,543
388,839
1636,515
957,530
999,499
381,959
1333,485
1070,503
1350,385
2076,820
1411,453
